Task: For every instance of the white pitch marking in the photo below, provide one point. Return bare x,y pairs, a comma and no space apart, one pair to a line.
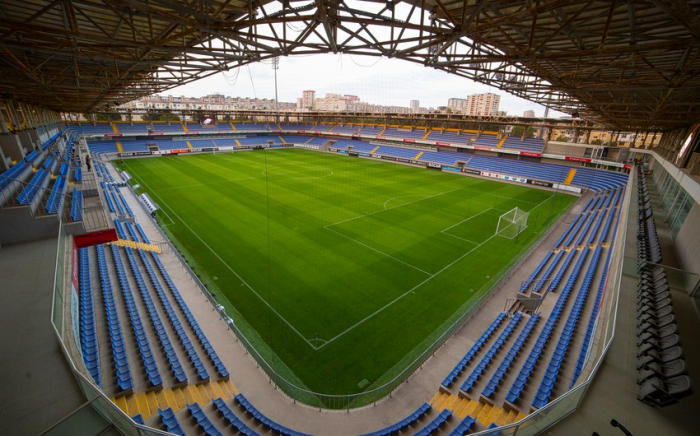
376,312
241,279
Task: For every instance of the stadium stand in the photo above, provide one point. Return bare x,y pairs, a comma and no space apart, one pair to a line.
264,420
348,129
172,425
33,189
165,343
435,423
508,360
76,208
536,351
252,126
136,128
55,201
550,378
297,126
395,132
487,140
138,329
370,130
491,353
203,421
174,127
663,378
472,351
116,339
532,145
90,129
463,427
88,332
404,423
450,136
232,418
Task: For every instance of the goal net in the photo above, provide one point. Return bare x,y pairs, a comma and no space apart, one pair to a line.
512,223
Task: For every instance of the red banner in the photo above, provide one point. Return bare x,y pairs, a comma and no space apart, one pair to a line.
577,159
627,167
155,134
443,143
529,153
480,147
113,134
490,174
95,238
409,140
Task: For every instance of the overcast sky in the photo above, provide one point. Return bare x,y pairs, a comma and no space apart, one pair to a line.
375,80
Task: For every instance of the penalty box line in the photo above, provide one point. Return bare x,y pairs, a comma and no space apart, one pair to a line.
241,278
378,311
381,309
329,227
445,231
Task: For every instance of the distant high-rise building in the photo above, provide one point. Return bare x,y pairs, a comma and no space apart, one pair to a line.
415,106
308,99
529,114
483,104
457,105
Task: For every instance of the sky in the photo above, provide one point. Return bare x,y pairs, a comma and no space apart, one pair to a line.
375,80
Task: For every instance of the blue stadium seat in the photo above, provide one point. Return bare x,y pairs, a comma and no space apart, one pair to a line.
463,427
232,418
491,353
88,334
508,360
435,423
404,423
138,328
472,351
264,420
119,357
172,425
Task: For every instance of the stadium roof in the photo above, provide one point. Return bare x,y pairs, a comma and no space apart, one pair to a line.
625,64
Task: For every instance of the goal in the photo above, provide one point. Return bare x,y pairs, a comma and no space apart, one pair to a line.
512,223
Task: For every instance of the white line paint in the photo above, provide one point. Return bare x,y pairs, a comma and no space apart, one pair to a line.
384,210
378,311
381,309
377,251
240,278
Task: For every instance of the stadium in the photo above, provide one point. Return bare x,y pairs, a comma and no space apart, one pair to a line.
276,271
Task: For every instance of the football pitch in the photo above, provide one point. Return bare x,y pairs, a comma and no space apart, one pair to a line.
340,270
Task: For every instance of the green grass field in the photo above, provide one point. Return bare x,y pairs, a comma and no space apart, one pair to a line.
339,267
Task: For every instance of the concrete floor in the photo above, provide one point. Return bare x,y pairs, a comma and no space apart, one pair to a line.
38,389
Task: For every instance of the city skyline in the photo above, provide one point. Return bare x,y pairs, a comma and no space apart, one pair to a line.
379,81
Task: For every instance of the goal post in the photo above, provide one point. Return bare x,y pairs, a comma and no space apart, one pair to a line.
512,223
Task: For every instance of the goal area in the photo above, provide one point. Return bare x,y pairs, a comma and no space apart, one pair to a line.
512,223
